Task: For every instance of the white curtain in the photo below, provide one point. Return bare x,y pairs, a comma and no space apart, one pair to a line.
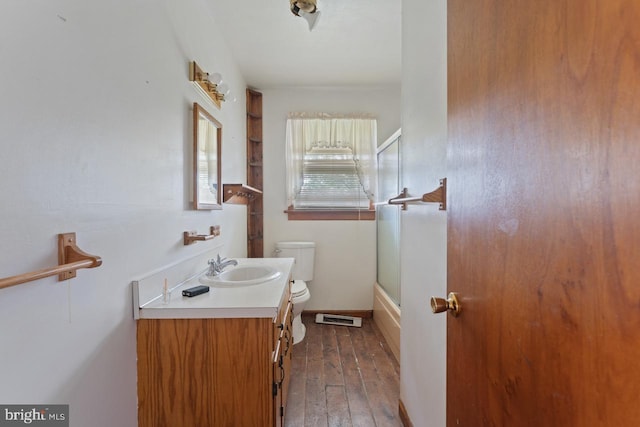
306,131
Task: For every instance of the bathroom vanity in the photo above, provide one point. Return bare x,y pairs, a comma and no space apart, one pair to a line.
219,359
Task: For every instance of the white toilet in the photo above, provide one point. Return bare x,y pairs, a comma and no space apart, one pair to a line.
303,253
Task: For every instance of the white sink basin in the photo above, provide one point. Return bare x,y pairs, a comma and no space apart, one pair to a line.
242,276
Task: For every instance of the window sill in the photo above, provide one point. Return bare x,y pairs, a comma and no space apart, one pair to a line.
330,215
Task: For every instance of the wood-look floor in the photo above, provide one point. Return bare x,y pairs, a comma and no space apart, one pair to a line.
343,376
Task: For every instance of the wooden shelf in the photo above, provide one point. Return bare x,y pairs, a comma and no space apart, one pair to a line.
255,246
239,194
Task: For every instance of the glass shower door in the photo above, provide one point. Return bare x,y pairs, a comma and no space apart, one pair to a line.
388,218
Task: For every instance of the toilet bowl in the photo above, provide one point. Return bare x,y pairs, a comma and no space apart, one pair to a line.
303,254
299,296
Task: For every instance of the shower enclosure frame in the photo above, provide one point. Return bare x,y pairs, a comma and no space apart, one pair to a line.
388,217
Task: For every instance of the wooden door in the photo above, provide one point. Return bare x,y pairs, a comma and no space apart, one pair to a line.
544,213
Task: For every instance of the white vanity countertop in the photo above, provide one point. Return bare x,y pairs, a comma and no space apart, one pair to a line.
260,300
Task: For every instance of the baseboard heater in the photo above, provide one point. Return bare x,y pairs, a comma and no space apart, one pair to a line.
337,319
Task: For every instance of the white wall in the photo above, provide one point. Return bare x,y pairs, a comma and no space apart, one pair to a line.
423,239
95,132
345,268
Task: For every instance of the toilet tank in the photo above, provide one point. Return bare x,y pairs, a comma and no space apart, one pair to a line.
304,253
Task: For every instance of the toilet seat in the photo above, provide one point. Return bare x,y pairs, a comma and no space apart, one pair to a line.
298,288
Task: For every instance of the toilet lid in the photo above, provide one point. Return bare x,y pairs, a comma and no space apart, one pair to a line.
298,287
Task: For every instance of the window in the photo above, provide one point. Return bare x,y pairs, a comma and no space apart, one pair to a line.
331,166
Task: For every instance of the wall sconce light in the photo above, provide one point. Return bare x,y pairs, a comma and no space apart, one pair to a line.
211,84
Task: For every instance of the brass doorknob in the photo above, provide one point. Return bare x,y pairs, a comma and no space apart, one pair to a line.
451,304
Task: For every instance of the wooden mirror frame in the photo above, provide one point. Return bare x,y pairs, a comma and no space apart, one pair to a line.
204,197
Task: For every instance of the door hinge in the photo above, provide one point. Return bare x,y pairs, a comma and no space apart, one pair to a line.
282,411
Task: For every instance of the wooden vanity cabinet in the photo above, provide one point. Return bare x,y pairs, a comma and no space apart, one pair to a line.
214,372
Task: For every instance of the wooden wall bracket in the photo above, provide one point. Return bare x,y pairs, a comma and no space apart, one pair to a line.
239,194
439,195
70,259
70,253
191,237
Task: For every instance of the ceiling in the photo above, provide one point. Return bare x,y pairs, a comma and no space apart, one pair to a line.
354,42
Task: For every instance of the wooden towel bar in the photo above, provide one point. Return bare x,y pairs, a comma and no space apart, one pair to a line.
70,259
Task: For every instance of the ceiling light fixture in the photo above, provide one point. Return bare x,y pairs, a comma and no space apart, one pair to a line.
306,9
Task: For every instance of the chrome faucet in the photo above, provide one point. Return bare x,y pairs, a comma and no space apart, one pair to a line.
217,265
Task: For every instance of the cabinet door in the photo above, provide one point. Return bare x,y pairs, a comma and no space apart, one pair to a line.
282,365
206,372
287,352
278,375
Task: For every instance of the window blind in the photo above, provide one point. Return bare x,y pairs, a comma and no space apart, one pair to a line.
330,180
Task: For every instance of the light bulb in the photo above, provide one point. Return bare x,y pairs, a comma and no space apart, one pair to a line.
223,88
214,78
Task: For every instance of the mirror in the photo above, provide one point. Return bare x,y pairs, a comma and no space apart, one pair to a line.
207,141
